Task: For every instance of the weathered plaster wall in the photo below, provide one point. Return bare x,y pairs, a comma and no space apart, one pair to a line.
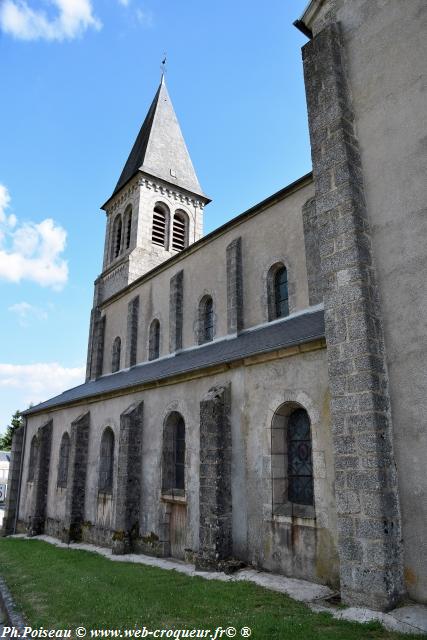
258,537
279,227
386,49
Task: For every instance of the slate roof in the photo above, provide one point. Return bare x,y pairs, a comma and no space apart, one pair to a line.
294,330
160,149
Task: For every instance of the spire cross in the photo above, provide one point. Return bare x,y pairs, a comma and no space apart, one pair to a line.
163,65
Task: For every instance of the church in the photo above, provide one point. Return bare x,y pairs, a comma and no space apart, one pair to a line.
259,394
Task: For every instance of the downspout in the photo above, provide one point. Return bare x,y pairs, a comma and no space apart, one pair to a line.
18,497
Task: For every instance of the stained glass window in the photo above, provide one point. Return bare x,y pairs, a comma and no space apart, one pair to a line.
179,454
208,320
281,296
64,455
300,466
106,466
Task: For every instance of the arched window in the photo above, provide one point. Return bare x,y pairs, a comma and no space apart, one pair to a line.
128,226
292,466
278,295
106,463
300,465
34,451
154,340
180,231
160,225
206,320
173,468
64,457
116,241
115,360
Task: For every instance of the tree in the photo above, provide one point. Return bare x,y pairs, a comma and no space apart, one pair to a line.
6,439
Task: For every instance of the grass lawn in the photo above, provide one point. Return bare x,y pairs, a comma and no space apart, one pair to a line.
61,588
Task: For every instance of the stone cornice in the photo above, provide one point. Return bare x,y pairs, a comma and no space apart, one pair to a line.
157,186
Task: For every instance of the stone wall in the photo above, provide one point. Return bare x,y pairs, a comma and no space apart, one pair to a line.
76,481
215,502
273,234
369,540
176,311
132,332
234,286
128,492
12,497
312,254
387,79
37,515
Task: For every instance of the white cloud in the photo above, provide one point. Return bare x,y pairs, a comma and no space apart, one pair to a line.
124,3
4,203
40,381
144,17
27,312
18,19
31,251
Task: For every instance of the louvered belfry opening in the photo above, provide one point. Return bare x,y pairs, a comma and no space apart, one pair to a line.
179,231
159,226
117,236
128,226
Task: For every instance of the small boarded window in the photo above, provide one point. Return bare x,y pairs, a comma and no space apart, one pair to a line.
34,450
179,231
106,463
154,340
206,320
300,465
160,224
64,457
115,360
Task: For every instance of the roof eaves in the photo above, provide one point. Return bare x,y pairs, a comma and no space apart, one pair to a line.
295,330
309,14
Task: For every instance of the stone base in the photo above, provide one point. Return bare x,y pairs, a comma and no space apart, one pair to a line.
94,534
206,564
35,526
122,543
150,546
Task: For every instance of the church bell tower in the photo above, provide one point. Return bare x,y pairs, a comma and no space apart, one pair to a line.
155,210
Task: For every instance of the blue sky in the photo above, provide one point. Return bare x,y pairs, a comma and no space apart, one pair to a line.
78,77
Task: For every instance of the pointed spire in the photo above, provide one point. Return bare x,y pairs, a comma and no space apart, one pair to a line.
159,148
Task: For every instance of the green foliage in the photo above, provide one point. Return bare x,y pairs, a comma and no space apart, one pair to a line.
65,588
6,439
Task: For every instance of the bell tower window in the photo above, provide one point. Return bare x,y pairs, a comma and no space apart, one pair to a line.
128,226
179,231
117,237
160,225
